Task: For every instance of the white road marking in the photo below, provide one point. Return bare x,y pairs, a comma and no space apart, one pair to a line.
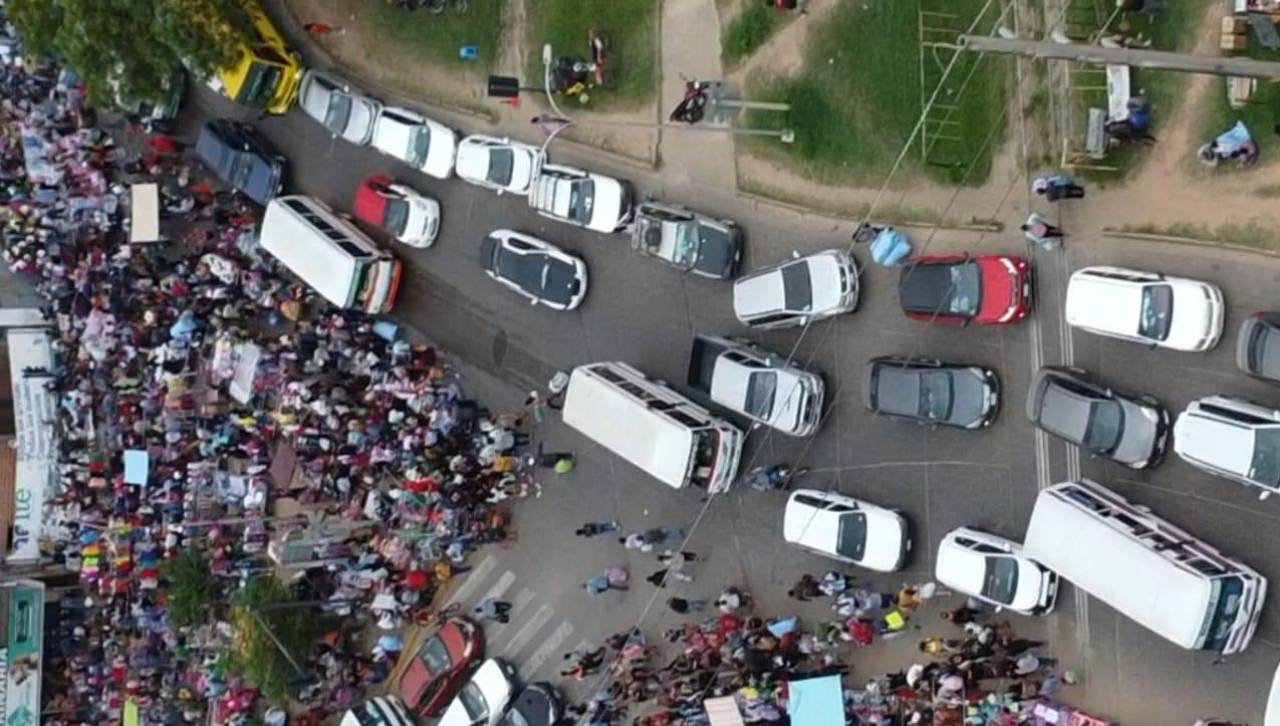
529,629
551,645
522,600
504,582
473,578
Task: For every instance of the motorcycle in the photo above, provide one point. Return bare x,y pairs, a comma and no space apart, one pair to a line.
693,106
777,477
575,75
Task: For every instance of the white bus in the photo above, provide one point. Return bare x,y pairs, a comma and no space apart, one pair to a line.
330,254
671,438
1151,571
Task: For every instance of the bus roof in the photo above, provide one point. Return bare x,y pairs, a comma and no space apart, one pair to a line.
628,428
308,254
1126,574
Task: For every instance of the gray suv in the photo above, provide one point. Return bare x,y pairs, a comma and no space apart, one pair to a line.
1132,429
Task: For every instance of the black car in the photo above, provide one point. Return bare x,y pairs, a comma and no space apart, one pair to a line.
536,705
1132,429
687,240
241,159
931,391
1258,346
534,268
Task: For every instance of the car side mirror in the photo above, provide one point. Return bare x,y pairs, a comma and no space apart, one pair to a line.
965,324
1264,495
501,192
795,254
999,608
533,302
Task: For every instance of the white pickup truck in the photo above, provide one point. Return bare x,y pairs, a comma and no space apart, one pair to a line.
581,198
760,385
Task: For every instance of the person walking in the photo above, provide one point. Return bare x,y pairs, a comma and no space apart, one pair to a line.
494,609
683,606
659,578
1038,230
591,529
676,562
805,589
600,584
1056,187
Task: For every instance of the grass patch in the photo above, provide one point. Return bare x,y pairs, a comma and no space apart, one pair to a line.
1267,191
630,27
418,37
855,104
1250,235
748,31
1174,29
1258,114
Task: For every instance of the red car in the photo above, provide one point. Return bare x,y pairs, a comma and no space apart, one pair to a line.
966,288
441,667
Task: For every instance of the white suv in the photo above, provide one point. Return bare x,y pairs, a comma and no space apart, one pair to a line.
1145,307
581,198
1232,438
798,291
994,570
426,145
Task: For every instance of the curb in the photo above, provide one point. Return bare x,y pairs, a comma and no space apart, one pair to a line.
1189,241
771,201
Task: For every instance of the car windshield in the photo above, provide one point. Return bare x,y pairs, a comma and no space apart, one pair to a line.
339,110
259,85
419,142
966,290
1106,423
474,702
500,163
582,196
241,171
1266,457
935,395
797,291
1156,313
687,242
396,216
760,392
436,656
1000,581
1223,608
851,539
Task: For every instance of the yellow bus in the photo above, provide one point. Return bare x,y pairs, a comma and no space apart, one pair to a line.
267,74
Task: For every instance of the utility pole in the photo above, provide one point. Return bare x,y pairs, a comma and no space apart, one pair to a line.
1140,57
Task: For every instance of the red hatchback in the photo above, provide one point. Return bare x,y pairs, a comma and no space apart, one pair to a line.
441,667
966,288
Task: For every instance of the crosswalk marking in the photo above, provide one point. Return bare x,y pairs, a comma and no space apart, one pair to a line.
504,582
473,578
553,642
521,601
528,630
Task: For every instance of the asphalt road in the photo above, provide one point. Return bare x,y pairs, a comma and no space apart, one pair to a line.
646,314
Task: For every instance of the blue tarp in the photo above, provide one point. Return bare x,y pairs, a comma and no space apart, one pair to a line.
816,701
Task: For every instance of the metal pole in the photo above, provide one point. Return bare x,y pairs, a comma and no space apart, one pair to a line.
761,105
279,646
1159,59
547,57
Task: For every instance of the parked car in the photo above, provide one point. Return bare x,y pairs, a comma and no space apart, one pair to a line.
799,291
534,268
536,705
1233,438
929,391
687,240
440,667
994,570
241,158
1258,346
1133,429
581,198
378,711
847,529
399,210
760,385
502,165
342,109
1145,307
484,698
966,288
426,145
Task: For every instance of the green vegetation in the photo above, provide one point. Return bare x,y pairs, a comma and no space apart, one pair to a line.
855,104
748,31
630,28
1250,235
255,655
418,38
136,43
190,590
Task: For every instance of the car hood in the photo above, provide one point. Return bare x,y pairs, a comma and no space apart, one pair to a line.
717,252
441,152
998,291
1194,316
263,180
757,293
608,206
886,538
421,214
1026,596
1138,440
969,400
824,280
788,403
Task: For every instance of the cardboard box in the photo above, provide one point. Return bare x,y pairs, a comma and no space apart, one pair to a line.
1234,42
1234,25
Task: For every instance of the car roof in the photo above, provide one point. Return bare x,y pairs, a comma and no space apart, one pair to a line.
370,205
898,388
1104,303
1208,438
391,134
1063,411
759,292
959,566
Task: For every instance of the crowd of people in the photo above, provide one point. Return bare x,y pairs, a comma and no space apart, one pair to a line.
164,447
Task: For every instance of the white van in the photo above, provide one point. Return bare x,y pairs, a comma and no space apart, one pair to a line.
330,254
648,424
1161,576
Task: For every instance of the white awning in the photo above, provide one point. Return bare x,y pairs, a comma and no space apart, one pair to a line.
144,225
723,711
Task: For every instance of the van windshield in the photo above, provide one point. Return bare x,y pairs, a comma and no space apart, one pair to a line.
1224,604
